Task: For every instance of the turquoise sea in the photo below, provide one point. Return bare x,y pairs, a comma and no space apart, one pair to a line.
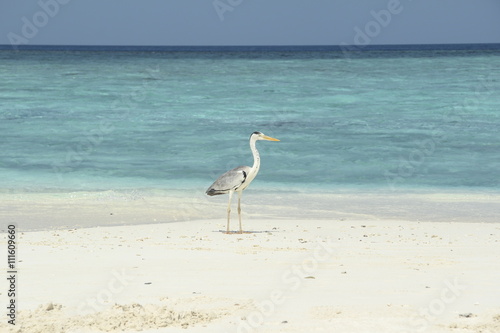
117,135
92,119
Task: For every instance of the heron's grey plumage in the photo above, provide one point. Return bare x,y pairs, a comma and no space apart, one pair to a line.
238,179
229,181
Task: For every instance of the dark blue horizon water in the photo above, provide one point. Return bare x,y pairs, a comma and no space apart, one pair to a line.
95,118
258,48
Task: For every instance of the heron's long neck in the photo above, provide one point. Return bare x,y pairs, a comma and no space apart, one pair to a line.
256,157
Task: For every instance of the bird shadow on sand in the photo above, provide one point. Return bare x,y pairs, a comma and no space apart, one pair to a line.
245,232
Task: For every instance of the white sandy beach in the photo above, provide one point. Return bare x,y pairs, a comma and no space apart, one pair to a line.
286,275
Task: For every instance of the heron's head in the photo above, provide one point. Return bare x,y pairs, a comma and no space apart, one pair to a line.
262,136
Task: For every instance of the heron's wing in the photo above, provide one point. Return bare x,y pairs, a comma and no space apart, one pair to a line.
229,181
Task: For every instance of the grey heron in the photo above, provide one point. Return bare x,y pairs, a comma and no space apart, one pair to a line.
238,179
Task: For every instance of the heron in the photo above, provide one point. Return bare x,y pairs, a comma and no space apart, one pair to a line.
238,179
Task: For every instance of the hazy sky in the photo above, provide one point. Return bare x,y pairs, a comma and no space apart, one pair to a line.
248,22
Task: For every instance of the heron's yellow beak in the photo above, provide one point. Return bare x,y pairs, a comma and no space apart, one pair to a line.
268,138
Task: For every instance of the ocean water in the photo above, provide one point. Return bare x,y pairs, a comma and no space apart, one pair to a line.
95,120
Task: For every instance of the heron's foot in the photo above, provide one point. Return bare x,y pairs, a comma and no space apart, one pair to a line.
237,232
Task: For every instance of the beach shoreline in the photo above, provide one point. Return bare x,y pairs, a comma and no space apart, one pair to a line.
37,211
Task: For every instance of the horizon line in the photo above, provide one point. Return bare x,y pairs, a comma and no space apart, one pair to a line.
263,47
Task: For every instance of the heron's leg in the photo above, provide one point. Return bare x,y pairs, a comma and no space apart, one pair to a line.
239,209
229,210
